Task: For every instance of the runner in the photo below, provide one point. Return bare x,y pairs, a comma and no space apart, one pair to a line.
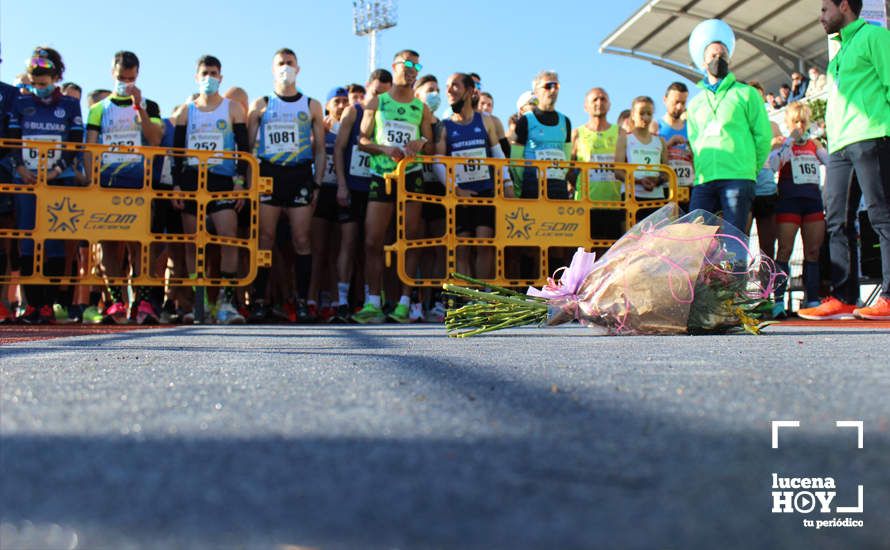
8,94
43,115
328,212
214,123
469,134
595,141
287,129
395,125
800,202
672,129
124,118
353,168
544,134
641,147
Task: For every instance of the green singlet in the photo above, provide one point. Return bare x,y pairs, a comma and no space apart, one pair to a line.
395,124
599,147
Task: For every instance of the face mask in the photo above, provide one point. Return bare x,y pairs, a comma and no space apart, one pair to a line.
286,75
43,93
718,67
433,100
120,88
458,105
208,85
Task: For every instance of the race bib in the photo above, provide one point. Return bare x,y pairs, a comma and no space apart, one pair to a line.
552,154
397,133
805,170
598,174
360,163
32,155
683,169
131,138
473,170
330,174
206,141
281,137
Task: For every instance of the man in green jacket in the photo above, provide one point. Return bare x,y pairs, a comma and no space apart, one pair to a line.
730,135
857,123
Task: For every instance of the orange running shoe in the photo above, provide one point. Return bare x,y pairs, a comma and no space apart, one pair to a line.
878,312
830,309
5,315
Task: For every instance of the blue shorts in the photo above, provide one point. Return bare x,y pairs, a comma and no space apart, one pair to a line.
799,210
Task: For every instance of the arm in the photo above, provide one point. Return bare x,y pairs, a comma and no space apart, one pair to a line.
239,128
780,155
318,139
425,143
761,130
821,154
253,120
441,149
149,118
621,154
347,121
366,140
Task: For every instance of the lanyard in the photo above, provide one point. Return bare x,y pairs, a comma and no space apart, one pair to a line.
720,99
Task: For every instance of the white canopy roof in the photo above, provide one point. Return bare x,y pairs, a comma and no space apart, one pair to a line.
773,37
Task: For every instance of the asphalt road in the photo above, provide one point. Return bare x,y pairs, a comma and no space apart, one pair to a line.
398,437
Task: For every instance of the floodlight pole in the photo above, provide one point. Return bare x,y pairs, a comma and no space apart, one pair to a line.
368,18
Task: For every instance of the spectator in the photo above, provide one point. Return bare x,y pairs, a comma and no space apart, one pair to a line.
817,83
857,123
770,102
784,96
799,85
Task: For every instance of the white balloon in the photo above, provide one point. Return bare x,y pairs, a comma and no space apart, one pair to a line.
706,33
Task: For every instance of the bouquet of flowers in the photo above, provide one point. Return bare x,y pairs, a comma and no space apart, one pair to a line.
667,275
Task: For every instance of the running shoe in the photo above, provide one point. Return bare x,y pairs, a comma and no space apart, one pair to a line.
188,318
778,311
400,314
75,313
146,314
342,315
325,314
878,312
259,313
830,309
226,314
306,313
5,315
290,312
369,315
31,316
436,314
48,316
60,315
116,313
415,313
91,315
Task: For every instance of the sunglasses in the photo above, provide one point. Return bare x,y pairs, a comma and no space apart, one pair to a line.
42,63
478,85
551,86
412,65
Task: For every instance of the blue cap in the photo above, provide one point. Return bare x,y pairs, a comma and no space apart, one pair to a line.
338,91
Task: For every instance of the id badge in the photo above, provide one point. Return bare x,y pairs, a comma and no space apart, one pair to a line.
713,129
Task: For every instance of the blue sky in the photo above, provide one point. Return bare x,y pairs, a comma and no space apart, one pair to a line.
505,42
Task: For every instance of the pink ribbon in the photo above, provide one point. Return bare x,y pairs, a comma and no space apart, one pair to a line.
572,277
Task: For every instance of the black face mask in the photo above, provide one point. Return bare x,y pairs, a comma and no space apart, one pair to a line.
458,105
718,67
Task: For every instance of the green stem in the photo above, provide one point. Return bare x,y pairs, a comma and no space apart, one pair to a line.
498,289
489,297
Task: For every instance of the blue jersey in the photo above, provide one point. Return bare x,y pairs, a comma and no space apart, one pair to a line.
8,93
545,143
330,175
471,141
666,131
285,135
56,120
357,163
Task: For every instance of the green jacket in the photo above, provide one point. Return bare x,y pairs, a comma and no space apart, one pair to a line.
729,132
859,86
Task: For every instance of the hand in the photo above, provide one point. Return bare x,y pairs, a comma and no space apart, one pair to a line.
343,196
648,183
396,153
414,147
460,192
571,187
136,93
27,176
795,135
509,192
676,140
239,204
178,204
53,174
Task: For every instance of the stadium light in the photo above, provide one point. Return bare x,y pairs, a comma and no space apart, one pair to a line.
368,18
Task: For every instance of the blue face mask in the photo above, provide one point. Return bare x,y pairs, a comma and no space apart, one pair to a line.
433,100
122,88
208,85
43,93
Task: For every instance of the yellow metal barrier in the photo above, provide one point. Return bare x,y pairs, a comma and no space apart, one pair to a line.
94,213
539,223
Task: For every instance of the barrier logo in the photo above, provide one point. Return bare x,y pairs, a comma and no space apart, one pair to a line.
814,495
519,224
64,215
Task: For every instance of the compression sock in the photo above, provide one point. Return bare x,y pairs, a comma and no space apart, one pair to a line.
303,268
811,281
780,289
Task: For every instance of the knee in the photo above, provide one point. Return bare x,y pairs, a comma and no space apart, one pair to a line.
302,243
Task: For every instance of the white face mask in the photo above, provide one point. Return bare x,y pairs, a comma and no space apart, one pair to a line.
286,74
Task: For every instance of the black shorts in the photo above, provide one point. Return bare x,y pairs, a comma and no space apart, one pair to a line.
764,206
433,212
216,183
468,218
292,186
327,207
165,218
377,189
556,189
358,206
